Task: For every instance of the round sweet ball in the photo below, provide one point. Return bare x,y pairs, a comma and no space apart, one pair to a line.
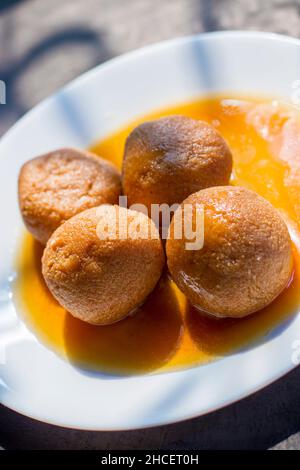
102,264
56,186
246,259
168,159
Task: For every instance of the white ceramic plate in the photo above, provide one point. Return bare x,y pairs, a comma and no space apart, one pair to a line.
33,380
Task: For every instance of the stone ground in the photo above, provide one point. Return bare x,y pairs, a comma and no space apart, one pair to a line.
45,44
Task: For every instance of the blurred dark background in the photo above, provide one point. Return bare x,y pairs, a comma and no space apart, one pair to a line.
43,45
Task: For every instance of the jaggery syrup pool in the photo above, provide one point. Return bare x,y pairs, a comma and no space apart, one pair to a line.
167,333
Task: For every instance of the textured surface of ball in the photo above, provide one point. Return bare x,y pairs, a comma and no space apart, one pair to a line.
56,186
100,275
246,260
170,158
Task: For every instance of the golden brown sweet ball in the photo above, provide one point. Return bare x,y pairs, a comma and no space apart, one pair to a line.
246,260
102,263
170,158
56,186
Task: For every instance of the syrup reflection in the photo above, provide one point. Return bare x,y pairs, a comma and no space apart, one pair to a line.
219,337
140,343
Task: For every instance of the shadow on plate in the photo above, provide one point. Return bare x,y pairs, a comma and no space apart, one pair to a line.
141,343
220,337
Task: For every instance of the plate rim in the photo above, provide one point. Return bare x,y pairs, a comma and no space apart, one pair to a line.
73,83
